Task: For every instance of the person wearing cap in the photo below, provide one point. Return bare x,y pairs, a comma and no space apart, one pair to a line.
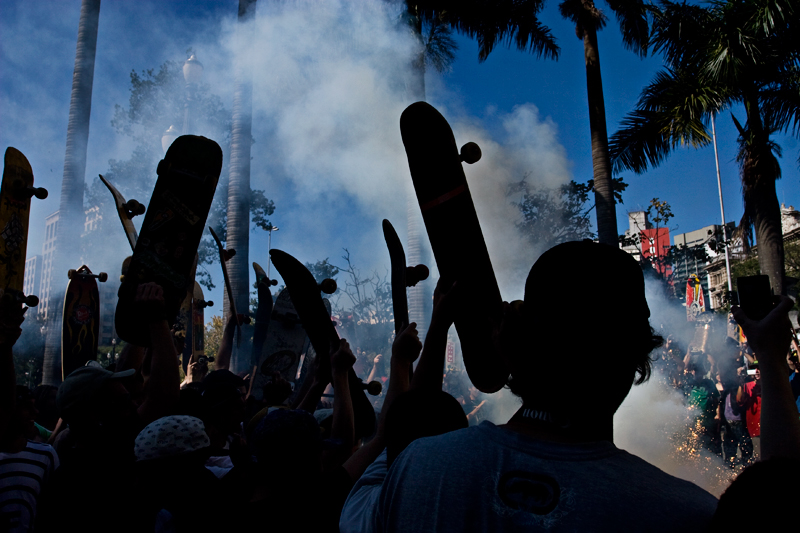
96,451
171,478
554,465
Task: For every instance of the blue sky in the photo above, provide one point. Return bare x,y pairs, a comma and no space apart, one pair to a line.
328,149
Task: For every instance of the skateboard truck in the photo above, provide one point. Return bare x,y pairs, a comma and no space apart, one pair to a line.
470,153
373,387
15,296
133,208
18,188
202,304
328,286
102,277
416,274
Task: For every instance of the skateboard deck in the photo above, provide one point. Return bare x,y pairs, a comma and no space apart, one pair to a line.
126,209
224,257
171,232
402,276
455,234
81,320
284,342
263,312
15,207
316,320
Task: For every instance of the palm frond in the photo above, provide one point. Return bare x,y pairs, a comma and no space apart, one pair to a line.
440,47
584,14
490,22
632,16
672,111
678,31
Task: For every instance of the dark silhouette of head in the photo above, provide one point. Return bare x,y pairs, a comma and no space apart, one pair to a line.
583,329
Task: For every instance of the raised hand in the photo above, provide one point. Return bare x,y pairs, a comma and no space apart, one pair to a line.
406,345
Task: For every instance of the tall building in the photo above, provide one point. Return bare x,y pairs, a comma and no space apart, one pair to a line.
48,250
33,275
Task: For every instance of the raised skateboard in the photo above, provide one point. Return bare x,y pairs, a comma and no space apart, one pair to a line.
455,234
81,320
15,207
316,320
126,209
171,232
403,276
263,312
284,342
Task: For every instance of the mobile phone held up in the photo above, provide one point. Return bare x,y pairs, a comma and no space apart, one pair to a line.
755,296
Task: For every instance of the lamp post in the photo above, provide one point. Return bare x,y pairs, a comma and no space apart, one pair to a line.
192,74
169,137
722,208
269,245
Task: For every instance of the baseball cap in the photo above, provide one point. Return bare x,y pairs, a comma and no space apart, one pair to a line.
170,436
79,387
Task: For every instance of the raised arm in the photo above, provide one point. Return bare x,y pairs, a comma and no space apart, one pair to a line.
223,361
430,369
162,389
10,320
405,350
343,423
770,339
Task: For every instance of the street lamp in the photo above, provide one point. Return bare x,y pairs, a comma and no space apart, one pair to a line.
269,245
192,73
169,137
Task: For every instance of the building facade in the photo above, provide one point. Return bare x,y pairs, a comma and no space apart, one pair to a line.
33,275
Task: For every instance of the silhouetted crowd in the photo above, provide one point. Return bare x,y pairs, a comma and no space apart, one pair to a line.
136,449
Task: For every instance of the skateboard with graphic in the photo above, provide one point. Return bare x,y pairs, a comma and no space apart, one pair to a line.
126,209
403,276
81,319
316,320
171,232
15,207
285,341
455,234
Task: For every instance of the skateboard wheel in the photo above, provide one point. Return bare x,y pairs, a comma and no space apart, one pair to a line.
328,286
102,277
209,303
373,387
246,320
70,273
30,300
230,252
122,278
470,153
273,282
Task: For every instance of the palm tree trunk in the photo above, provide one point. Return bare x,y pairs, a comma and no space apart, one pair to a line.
238,231
71,212
420,297
601,164
769,236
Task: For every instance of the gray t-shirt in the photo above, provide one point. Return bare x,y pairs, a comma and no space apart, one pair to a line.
487,478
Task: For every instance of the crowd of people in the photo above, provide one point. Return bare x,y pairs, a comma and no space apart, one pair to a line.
136,449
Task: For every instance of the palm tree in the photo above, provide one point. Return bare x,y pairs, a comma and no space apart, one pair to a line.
516,21
71,214
238,234
730,53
